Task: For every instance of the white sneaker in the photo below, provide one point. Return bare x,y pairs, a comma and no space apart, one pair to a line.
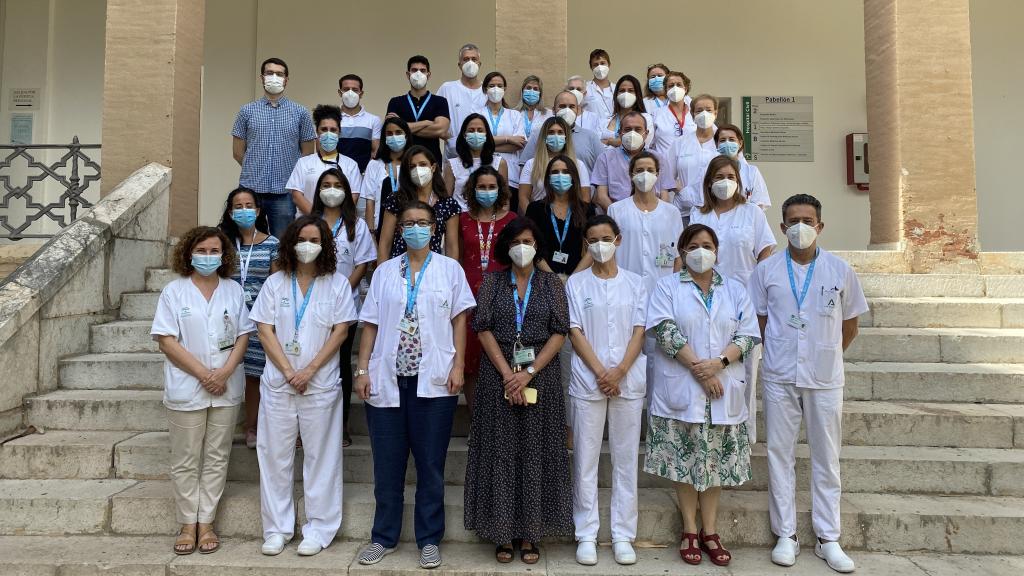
274,545
309,548
832,553
624,553
586,553
785,552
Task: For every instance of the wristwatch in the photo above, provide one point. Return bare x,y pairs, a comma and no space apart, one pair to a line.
725,361
361,372
531,370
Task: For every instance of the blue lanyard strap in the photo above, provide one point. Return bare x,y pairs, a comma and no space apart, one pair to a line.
792,279
391,176
301,311
416,112
565,227
521,309
336,228
527,122
412,291
495,122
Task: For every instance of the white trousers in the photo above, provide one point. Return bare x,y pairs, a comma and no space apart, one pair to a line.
318,418
784,406
750,366
624,443
200,448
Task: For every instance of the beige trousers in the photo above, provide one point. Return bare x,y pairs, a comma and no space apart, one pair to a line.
200,448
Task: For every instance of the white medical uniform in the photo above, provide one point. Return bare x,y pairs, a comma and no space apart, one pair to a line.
754,187
361,250
510,123
529,126
607,311
593,121
309,168
803,376
443,295
600,101
462,101
666,127
373,181
690,158
539,191
461,174
315,415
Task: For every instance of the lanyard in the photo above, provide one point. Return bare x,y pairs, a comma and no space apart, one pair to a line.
411,291
709,299
336,228
301,311
417,112
391,176
243,263
681,122
792,279
565,227
331,162
485,249
527,122
521,310
495,122
658,102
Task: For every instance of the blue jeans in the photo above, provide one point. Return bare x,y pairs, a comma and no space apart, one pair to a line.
280,211
424,426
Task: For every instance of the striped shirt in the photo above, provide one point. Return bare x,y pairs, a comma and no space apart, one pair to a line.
272,134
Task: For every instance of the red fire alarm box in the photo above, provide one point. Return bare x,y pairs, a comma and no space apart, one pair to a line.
857,166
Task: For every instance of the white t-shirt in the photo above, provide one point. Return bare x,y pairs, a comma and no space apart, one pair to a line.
309,168
376,174
330,303
208,330
461,174
509,123
743,233
462,101
360,250
607,311
646,236
540,192
592,121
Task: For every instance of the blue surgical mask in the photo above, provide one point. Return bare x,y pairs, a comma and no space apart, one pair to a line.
396,142
656,84
244,217
531,97
486,198
328,141
560,183
555,142
206,264
476,140
728,148
416,237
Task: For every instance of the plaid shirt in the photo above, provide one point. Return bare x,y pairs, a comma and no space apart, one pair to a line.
272,137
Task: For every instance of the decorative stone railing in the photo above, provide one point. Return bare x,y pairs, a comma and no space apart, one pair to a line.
74,281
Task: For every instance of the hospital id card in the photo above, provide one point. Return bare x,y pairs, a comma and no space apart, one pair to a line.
225,344
796,322
560,257
292,348
408,325
523,356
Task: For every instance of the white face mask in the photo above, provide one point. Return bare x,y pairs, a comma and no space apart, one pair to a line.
579,96
632,141
522,254
418,79
332,197
421,175
602,251
700,260
801,236
626,99
470,69
273,84
495,94
644,181
568,115
600,71
723,189
307,252
705,119
350,98
676,93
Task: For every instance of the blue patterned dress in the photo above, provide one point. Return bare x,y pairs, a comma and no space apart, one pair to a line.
263,253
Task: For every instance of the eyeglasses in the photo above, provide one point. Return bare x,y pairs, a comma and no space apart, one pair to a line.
410,223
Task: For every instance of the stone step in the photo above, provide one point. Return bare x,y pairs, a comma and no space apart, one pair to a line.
138,305
61,454
935,382
937,312
879,522
123,336
98,410
941,285
950,345
113,371
157,278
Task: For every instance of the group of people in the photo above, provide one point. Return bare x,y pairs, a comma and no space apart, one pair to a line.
564,269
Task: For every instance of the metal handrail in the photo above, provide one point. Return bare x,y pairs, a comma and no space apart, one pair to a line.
64,210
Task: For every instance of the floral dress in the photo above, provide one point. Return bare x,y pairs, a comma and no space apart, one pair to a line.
262,255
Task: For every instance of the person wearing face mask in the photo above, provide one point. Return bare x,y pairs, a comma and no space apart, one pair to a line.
729,140
464,95
692,151
245,225
518,489
380,181
487,196
673,120
611,174
599,94
202,327
303,315
420,180
531,105
627,100
268,137
355,251
360,130
654,91
426,114
411,358
745,238
561,216
506,126
557,139
807,301
302,183
607,313
588,119
586,143
475,147
704,325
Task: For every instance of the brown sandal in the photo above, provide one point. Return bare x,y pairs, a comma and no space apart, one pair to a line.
208,537
529,555
185,543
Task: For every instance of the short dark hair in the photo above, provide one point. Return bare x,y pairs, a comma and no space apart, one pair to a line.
278,61
326,262
801,199
181,262
599,53
227,224
326,112
601,219
416,205
350,77
469,192
417,59
731,128
462,147
640,156
692,230
509,233
634,114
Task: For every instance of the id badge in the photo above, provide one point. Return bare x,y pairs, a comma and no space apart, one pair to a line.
523,356
662,261
292,348
796,322
560,257
407,325
225,344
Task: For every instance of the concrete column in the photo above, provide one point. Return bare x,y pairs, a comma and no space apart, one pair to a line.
918,67
531,37
152,95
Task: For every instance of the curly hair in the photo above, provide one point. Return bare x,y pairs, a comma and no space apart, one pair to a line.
181,261
326,262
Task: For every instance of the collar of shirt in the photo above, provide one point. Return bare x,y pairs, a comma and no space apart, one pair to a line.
415,99
280,101
361,112
716,278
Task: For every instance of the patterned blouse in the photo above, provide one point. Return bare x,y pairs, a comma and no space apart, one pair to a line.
262,255
410,350
671,340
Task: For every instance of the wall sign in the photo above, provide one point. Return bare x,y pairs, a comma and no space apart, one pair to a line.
21,129
778,128
24,99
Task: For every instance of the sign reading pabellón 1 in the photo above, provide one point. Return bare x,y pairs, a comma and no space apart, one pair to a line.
778,128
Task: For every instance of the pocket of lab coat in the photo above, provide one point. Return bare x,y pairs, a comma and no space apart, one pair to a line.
735,392
826,361
679,388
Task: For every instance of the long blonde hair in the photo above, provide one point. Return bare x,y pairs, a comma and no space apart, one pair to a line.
541,154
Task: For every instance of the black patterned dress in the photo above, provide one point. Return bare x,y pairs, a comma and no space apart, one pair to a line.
517,477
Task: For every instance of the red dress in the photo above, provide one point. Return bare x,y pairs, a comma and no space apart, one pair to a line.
470,251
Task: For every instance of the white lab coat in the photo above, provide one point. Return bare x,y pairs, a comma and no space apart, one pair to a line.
666,127
690,158
743,233
755,189
309,168
361,250
645,235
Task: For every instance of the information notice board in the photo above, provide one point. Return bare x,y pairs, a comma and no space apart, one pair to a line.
778,128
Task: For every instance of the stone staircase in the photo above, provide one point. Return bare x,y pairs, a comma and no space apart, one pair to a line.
933,434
